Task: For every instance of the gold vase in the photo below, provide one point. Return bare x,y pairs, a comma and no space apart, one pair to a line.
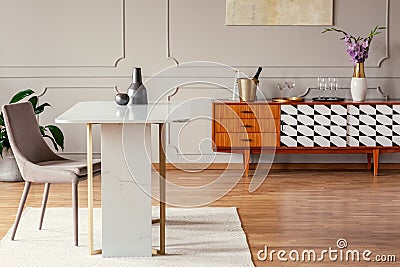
359,70
358,86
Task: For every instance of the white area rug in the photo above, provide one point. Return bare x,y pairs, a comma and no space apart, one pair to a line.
195,237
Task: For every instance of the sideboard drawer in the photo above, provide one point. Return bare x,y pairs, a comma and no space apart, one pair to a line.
246,125
245,140
246,111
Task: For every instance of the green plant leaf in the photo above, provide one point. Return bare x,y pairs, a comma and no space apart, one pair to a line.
1,119
40,109
34,101
3,144
1,149
21,95
57,135
52,140
42,130
4,141
3,133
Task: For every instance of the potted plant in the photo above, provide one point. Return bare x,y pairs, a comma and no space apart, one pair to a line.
8,166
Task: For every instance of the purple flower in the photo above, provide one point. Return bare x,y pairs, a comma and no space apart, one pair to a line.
357,48
365,44
347,39
358,51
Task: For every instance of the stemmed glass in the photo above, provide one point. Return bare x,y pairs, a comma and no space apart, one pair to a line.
290,86
281,87
333,86
321,86
328,87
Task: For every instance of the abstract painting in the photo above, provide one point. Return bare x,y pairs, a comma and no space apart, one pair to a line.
279,12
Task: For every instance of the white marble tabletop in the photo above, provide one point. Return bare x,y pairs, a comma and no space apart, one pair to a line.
110,112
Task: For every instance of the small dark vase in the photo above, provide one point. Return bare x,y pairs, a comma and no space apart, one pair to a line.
137,91
122,99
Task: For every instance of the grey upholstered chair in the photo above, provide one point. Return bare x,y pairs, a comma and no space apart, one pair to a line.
38,163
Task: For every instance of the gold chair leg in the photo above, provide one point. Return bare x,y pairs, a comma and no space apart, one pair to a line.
155,221
156,252
89,151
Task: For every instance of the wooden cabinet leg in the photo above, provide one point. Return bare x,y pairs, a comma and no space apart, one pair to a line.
246,162
376,161
369,165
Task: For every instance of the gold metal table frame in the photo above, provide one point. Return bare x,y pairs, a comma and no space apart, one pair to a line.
162,172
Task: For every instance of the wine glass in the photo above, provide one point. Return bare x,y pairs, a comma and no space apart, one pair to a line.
334,86
281,87
324,86
320,84
328,87
290,85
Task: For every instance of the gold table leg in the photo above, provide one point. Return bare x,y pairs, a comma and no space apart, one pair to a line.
161,143
89,155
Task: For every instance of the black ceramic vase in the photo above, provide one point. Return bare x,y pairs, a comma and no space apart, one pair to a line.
137,91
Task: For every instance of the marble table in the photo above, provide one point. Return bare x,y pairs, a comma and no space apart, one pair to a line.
126,172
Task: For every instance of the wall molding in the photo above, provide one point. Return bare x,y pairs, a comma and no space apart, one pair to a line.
168,39
387,39
187,86
45,89
112,65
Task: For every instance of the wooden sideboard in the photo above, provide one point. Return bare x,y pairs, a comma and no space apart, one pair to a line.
371,128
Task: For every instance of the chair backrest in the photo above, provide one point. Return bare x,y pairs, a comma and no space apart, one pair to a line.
24,135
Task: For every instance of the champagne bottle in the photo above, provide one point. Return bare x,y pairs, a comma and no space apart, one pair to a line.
257,73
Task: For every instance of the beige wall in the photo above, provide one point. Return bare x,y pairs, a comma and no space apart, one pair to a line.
79,50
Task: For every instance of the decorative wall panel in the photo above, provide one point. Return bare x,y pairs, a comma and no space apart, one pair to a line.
209,38
49,33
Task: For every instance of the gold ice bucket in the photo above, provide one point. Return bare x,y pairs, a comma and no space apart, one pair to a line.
247,89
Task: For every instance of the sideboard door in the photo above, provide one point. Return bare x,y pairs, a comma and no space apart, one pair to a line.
313,125
373,125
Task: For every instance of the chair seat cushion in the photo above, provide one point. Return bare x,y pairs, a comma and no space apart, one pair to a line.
79,167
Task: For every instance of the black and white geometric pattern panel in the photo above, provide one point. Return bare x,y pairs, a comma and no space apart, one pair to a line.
373,125
313,125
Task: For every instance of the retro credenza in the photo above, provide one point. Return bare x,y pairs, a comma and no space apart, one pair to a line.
371,128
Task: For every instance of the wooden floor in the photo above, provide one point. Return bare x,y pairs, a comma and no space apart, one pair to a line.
292,210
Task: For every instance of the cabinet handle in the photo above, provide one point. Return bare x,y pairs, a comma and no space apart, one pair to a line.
282,124
247,112
247,126
247,140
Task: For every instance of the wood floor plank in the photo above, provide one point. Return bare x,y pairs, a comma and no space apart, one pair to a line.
294,209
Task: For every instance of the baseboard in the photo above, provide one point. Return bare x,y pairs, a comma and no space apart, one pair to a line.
197,166
280,166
